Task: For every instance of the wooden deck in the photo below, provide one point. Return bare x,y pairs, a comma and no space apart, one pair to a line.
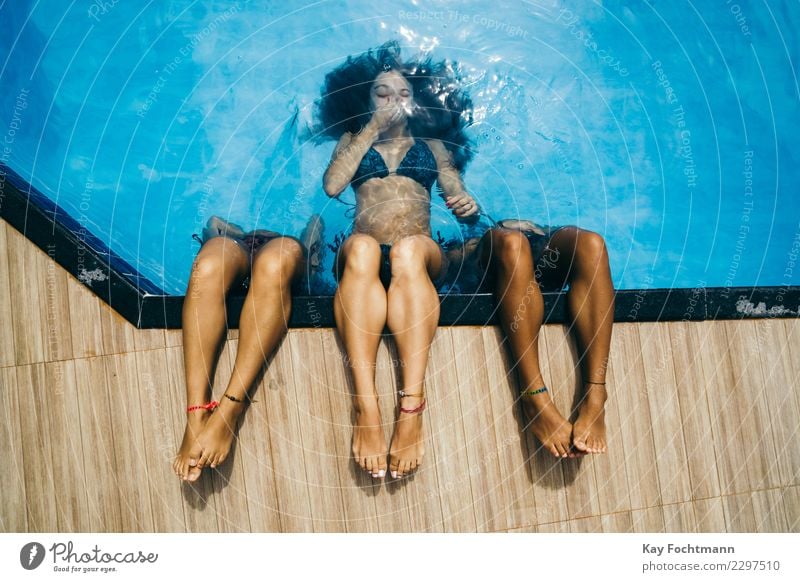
704,429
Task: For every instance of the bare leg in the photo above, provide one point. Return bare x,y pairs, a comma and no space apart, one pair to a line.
219,264
508,254
584,259
412,317
263,323
360,311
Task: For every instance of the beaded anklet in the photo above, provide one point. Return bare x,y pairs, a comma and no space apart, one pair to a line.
209,407
246,399
534,392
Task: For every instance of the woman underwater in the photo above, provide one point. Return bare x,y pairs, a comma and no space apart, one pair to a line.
400,128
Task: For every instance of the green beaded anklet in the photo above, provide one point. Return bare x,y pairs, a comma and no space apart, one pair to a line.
534,392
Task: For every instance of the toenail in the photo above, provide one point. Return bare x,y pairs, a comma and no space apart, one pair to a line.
381,473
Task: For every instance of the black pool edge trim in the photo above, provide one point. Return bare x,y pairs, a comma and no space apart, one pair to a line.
146,306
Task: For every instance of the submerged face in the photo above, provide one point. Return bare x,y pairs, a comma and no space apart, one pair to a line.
391,88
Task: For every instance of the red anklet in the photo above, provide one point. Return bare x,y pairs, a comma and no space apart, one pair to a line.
210,406
417,409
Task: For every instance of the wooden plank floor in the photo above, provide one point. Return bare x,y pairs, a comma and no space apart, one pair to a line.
704,429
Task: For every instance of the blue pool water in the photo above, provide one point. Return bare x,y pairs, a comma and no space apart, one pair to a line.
668,127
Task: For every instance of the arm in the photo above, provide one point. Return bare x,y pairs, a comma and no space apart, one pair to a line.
453,192
345,160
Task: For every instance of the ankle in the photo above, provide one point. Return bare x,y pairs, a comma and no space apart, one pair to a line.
595,392
197,416
411,400
366,404
231,406
537,398
200,411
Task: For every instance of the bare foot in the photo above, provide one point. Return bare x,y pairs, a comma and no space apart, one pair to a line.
217,436
546,423
589,432
407,448
185,461
369,446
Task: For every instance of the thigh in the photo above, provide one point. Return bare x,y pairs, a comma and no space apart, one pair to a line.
554,266
424,249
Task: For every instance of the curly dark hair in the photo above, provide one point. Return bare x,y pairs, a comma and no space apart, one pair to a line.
445,110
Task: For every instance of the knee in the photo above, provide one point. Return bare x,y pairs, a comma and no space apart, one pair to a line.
590,249
276,264
209,265
408,256
509,245
362,254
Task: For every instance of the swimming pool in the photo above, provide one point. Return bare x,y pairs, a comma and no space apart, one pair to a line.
669,129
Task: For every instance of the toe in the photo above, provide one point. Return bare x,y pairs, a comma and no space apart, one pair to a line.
201,462
220,459
404,468
193,475
601,446
376,469
394,465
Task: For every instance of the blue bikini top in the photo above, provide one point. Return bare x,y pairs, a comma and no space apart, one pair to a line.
419,164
